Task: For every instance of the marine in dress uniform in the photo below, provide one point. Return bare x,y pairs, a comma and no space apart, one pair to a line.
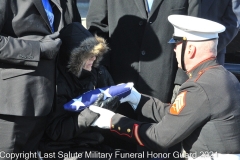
205,116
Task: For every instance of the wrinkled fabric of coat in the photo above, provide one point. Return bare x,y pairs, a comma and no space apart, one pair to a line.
67,129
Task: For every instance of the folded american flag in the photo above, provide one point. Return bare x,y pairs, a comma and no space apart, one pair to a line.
86,99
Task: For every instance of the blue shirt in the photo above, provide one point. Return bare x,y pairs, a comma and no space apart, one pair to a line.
49,12
150,2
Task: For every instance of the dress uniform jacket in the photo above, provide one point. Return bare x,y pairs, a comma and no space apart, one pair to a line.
138,41
27,82
205,115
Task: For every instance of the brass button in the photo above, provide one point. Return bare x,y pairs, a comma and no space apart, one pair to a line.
128,130
119,128
112,126
190,75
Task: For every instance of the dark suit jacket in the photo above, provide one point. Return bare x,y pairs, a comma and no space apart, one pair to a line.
27,82
225,12
139,41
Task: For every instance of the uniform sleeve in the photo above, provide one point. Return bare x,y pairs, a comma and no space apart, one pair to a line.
189,111
151,109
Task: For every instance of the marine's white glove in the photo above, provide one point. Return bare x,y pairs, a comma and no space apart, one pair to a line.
104,120
133,98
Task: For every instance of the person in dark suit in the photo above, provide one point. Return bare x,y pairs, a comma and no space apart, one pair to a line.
29,44
137,32
227,13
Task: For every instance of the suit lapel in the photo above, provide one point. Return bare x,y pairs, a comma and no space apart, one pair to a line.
57,3
155,5
58,16
41,10
141,6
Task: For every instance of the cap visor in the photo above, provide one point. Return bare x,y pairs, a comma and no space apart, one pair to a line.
172,41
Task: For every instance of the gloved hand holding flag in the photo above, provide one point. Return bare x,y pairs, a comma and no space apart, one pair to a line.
125,91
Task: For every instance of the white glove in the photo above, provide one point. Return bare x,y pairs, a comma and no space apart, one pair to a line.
104,121
133,98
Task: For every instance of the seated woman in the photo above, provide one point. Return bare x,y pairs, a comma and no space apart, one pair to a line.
78,71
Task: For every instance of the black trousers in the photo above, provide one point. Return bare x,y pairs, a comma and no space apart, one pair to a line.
20,136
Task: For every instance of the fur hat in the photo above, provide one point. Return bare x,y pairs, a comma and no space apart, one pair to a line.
78,45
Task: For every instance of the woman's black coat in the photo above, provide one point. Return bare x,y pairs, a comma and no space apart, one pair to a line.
66,129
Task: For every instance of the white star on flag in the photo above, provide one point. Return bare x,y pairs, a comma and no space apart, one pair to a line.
106,93
78,103
86,99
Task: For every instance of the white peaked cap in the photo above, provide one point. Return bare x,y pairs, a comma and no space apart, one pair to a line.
194,28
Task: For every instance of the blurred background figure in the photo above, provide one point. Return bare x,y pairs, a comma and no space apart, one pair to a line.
229,17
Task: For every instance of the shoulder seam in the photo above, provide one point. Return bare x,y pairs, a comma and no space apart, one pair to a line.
200,73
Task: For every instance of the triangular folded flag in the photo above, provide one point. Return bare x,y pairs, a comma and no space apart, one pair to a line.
86,99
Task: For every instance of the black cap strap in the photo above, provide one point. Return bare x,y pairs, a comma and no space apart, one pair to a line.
184,43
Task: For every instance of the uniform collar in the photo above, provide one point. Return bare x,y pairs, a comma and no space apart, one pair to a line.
202,65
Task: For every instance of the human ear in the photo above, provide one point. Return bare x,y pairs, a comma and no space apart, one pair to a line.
191,51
